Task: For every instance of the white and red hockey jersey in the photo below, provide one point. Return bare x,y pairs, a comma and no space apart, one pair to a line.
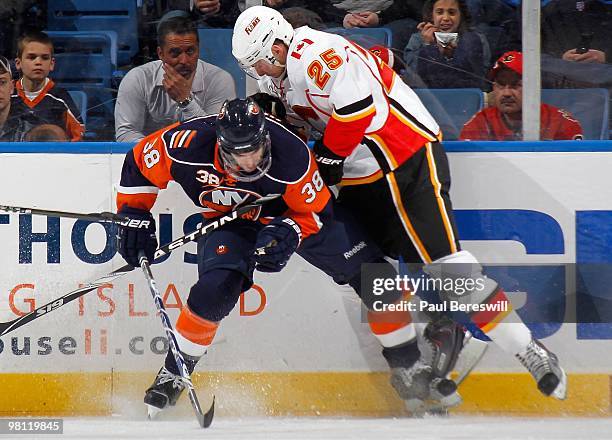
362,107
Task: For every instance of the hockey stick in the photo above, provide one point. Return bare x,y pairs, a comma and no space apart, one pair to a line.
473,350
93,216
203,419
9,326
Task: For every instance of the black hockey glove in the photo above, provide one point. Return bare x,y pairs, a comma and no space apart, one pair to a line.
136,234
330,164
276,243
270,104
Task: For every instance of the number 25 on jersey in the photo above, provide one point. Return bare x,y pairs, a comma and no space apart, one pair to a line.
317,72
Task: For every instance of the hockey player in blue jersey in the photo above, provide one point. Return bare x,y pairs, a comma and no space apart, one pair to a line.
223,162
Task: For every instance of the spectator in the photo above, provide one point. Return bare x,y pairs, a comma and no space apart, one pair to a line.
298,17
499,21
446,53
400,16
223,13
578,31
18,17
503,121
218,13
40,100
46,133
205,13
12,129
175,88
577,44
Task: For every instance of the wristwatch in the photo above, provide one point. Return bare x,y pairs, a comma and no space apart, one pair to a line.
185,102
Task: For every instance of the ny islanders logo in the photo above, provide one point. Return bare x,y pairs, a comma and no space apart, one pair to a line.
224,199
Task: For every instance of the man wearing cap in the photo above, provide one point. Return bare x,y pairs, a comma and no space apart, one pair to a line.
503,121
178,87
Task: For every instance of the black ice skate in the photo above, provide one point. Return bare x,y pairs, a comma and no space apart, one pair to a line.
164,392
445,345
544,367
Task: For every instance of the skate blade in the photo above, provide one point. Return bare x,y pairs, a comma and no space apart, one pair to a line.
416,407
560,392
152,412
445,402
420,408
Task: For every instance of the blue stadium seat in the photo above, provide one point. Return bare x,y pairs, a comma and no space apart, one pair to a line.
119,16
83,62
108,38
80,99
451,108
216,48
366,37
82,58
590,106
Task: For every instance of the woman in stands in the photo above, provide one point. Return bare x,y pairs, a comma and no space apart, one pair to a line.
446,53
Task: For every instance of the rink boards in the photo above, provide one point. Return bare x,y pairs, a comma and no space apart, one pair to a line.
296,344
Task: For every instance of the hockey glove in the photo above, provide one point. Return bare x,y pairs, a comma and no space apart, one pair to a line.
276,243
330,164
270,104
136,234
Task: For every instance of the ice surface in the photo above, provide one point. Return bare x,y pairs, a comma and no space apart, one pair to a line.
432,428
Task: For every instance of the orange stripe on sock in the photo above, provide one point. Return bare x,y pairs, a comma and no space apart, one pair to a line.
488,320
196,329
382,323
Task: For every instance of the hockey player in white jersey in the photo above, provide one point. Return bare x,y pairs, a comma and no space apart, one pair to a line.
383,147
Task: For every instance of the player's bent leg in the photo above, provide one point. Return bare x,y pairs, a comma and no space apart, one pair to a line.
415,364
340,249
410,376
487,306
194,334
210,300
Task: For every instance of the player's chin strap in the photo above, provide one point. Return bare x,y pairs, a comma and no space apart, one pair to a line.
204,419
9,326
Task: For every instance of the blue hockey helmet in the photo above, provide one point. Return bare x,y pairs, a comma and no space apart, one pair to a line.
241,131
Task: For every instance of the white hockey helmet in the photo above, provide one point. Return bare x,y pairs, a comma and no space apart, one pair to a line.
255,31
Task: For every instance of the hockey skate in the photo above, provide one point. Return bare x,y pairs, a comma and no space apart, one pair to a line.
421,391
412,383
445,345
439,344
165,391
544,367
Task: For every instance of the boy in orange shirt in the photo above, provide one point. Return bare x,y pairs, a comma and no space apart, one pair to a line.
41,101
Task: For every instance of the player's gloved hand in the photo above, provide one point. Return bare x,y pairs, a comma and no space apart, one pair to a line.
330,164
276,243
136,234
270,104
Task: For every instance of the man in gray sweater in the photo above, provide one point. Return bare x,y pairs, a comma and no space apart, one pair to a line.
177,87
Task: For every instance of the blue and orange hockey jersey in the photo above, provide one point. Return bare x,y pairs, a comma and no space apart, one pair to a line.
188,154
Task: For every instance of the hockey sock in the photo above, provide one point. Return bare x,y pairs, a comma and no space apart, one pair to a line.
170,363
505,328
194,333
404,355
392,328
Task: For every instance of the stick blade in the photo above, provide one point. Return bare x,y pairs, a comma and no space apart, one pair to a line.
207,418
473,350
